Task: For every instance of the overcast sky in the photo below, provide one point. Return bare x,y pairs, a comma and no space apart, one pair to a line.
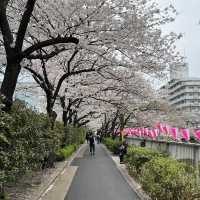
187,22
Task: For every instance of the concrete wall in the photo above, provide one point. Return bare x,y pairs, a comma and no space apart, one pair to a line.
178,150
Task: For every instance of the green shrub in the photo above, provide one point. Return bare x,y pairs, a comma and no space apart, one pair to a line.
3,196
138,156
112,145
166,178
64,153
73,135
27,141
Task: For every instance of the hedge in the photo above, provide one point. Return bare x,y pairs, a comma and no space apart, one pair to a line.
161,176
112,145
137,156
27,141
168,178
66,152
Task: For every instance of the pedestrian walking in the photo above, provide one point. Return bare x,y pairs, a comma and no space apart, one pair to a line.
92,144
101,137
87,137
98,139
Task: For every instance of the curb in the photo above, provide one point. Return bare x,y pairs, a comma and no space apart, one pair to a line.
137,188
67,163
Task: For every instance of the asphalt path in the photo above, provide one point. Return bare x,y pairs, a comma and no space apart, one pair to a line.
98,178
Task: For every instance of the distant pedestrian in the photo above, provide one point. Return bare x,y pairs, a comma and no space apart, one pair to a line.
98,139
122,151
101,137
87,137
92,144
143,143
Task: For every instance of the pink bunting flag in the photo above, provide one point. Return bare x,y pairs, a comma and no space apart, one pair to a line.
155,133
142,131
185,134
127,131
151,134
137,132
197,134
166,129
161,127
146,131
174,133
132,131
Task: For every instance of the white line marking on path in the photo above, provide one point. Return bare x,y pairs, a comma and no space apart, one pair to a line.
48,189
63,171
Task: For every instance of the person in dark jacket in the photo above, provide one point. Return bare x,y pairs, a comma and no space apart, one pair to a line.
122,151
92,144
87,137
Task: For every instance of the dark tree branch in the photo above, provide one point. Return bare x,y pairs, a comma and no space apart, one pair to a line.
5,27
83,123
70,60
46,80
86,115
66,76
127,118
49,42
47,56
38,78
34,73
24,24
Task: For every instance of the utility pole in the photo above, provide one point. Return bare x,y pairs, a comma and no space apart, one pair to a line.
121,118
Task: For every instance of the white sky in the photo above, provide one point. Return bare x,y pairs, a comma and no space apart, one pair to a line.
187,22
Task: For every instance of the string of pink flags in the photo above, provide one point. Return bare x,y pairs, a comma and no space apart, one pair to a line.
177,134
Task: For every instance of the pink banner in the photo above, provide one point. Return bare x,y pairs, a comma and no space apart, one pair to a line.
197,134
161,128
166,129
151,134
146,131
155,133
185,134
174,133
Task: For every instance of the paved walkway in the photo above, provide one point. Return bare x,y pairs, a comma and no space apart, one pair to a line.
97,178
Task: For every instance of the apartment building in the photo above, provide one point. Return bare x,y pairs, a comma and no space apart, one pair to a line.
184,94
182,91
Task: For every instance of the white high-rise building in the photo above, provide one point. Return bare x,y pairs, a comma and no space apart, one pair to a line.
184,94
182,91
179,72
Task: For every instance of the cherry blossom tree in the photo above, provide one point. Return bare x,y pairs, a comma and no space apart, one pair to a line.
104,96
14,43
121,33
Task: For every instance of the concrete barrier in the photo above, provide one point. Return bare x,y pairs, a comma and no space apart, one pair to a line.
178,150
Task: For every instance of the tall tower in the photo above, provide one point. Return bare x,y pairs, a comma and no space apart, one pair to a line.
180,71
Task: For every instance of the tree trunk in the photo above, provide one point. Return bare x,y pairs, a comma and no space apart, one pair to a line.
113,123
70,116
64,118
9,83
51,113
121,126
